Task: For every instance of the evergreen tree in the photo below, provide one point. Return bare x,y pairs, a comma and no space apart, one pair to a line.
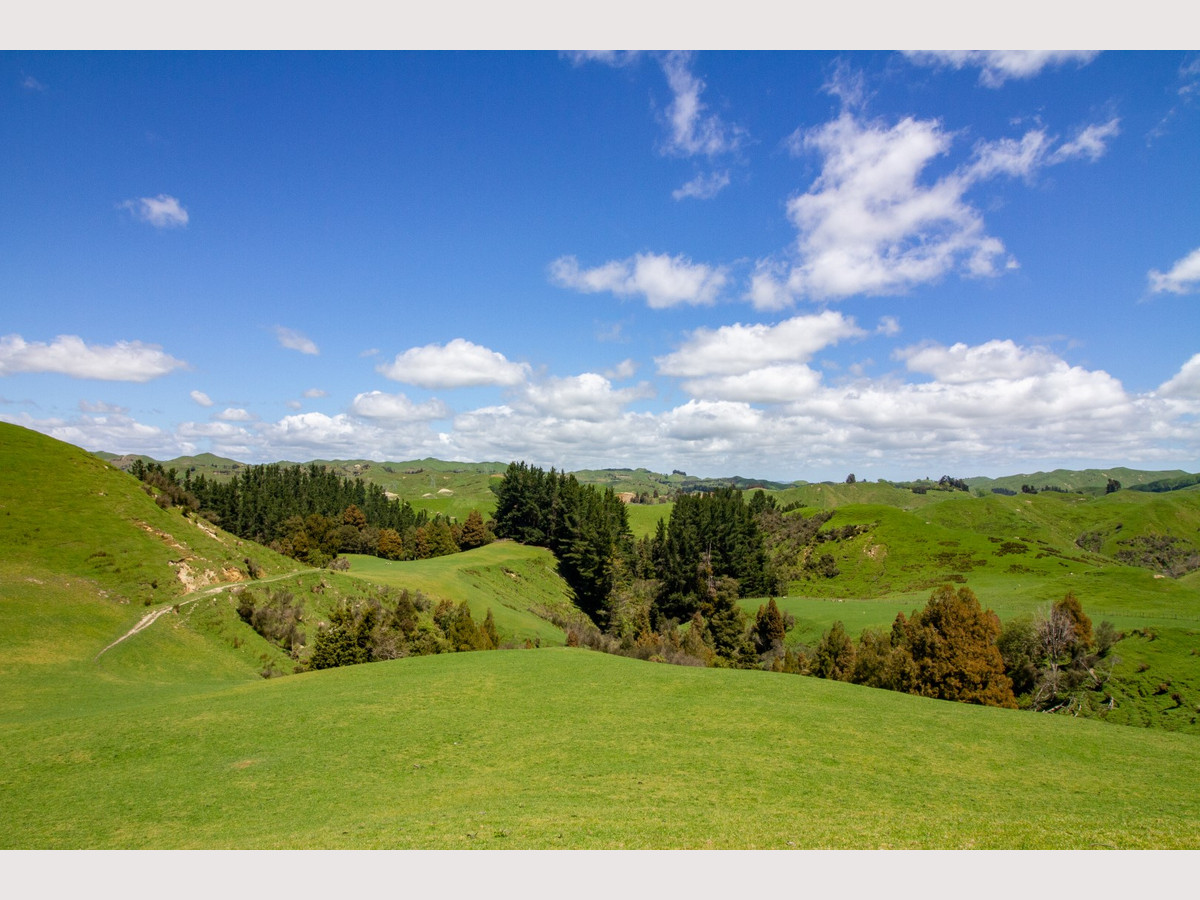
835,654
769,628
951,644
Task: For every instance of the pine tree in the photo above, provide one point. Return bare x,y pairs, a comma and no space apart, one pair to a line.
835,654
769,628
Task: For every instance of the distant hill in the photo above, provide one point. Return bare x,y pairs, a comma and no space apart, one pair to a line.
1085,481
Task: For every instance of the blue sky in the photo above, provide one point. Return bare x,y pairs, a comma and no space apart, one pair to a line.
794,265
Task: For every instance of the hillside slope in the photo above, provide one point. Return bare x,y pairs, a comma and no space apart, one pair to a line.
571,749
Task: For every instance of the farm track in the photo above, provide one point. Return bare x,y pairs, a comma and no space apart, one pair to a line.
151,617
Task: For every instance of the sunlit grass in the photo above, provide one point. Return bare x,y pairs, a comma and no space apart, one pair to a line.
568,748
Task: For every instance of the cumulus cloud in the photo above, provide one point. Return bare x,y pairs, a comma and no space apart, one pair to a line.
712,420
589,396
67,354
962,364
664,281
872,223
397,408
315,393
998,66
1183,277
692,130
459,363
1185,385
294,340
162,211
235,414
202,398
737,349
769,384
703,186
960,408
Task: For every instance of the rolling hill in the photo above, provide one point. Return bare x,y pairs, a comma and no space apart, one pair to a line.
171,737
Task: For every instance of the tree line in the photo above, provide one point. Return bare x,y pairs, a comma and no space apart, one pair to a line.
389,624
312,514
953,649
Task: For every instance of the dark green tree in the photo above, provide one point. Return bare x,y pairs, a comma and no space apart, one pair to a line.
835,654
769,628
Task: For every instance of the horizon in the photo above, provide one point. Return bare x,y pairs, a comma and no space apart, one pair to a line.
795,264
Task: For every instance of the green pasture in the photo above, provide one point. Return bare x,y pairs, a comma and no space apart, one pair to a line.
565,748
514,581
644,517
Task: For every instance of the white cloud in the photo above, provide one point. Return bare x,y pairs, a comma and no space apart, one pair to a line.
703,186
871,223
1185,384
69,355
315,393
615,58
1008,157
768,384
163,211
692,131
712,420
1183,278
1091,142
737,349
32,84
847,83
102,407
294,340
590,397
994,360
459,363
960,409
234,414
202,398
626,368
397,408
768,286
888,325
664,281
868,225
998,66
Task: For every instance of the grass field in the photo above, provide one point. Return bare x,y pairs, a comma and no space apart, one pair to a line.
568,748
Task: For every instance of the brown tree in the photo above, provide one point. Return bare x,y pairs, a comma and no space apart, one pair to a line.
953,652
474,532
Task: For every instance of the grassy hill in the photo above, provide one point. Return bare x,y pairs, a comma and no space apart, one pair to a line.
1075,481
567,748
172,737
